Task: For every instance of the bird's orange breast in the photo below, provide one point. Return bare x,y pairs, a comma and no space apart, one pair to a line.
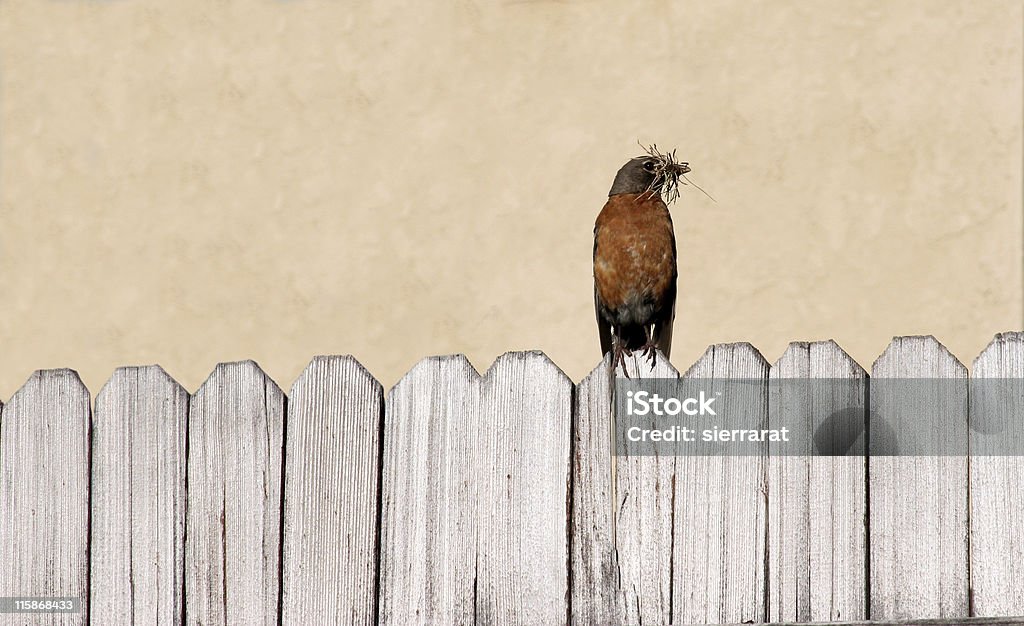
634,251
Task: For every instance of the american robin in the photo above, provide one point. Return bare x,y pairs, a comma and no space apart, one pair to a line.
635,258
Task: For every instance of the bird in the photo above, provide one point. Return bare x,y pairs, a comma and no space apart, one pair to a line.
635,267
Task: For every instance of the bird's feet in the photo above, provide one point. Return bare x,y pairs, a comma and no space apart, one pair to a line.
619,354
649,351
650,348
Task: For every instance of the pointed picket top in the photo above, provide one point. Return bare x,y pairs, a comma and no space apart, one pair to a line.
138,498
331,483
232,550
1003,357
997,547
44,475
153,372
241,369
63,380
917,356
344,365
528,359
44,386
66,377
816,359
446,362
730,360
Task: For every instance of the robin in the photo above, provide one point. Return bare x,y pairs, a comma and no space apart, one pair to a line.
635,258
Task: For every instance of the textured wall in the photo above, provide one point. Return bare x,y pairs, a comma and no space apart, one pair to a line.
194,181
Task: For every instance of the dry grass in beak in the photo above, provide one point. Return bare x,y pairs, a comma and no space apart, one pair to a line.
668,172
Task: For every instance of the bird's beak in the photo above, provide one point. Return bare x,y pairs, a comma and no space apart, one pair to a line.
683,168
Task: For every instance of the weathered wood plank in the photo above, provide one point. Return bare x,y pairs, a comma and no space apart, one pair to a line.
642,505
233,534
428,561
918,504
138,499
997,488
817,505
667,539
596,596
476,494
720,511
525,436
44,493
330,494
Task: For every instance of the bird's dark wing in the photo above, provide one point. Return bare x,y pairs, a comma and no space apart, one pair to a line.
604,329
663,329
664,322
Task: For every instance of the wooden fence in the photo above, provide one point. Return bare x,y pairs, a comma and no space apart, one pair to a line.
458,498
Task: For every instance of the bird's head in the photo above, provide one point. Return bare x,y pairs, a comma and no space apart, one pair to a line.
654,173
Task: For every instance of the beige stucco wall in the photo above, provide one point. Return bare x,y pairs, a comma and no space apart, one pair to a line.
190,182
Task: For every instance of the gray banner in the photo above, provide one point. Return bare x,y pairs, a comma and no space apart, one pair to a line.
820,417
39,604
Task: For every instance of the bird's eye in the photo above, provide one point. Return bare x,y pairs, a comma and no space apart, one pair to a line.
649,166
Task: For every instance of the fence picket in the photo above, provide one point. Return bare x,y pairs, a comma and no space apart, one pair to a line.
526,418
596,596
44,491
138,498
997,492
232,544
428,558
720,512
642,505
330,492
817,503
918,504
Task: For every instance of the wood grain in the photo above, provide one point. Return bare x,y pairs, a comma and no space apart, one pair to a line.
44,493
817,505
500,499
232,545
596,594
720,512
523,545
997,489
330,494
918,504
476,494
138,499
429,518
643,505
